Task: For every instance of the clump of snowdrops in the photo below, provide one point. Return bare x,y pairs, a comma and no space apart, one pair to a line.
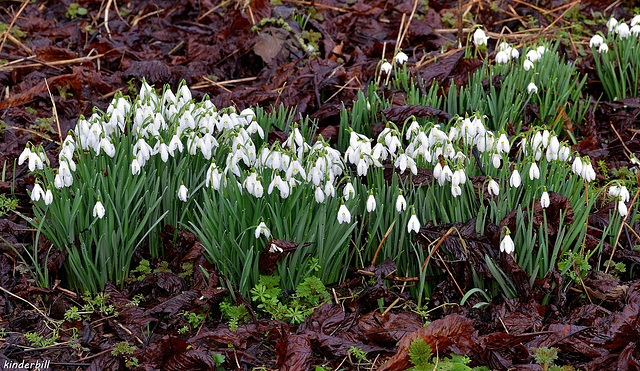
616,56
168,159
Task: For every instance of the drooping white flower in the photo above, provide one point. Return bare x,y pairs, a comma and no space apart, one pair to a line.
622,29
344,216
371,203
612,23
496,160
533,55
534,171
98,210
37,193
515,180
386,67
401,203
480,37
24,155
48,197
502,57
319,195
588,173
414,224
329,189
544,200
527,65
456,190
135,167
622,208
604,48
183,193
401,58
507,244
532,88
262,229
577,166
596,41
348,191
493,188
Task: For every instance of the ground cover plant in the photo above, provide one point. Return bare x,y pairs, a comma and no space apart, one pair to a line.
291,192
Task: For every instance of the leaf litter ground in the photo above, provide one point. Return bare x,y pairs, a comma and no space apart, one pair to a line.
86,59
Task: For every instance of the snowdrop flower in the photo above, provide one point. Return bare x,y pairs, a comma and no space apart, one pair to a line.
401,203
254,127
635,30
507,244
514,53
534,171
58,181
588,173
329,189
344,216
496,159
596,41
371,203
24,155
401,58
515,180
386,67
544,200
98,210
135,167
48,197
282,186
493,188
414,223
533,55
564,153
622,29
532,88
502,145
174,144
319,195
635,20
624,194
604,48
37,193
577,166
456,190
182,193
480,38
502,57
612,23
262,229
163,149
348,191
527,65
622,208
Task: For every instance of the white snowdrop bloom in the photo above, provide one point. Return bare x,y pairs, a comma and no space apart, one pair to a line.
612,23
175,144
401,58
319,195
536,141
248,114
532,88
282,186
362,167
108,147
577,166
541,50
348,191
502,145
527,65
624,194
534,171
622,29
622,208
503,46
58,181
401,203
254,127
401,162
262,229
135,167
496,160
588,173
456,190
214,177
447,173
371,203
544,200
533,55
480,37
329,189
493,188
507,245
37,193
514,53
596,41
502,57
24,156
98,210
414,224
461,175
48,197
635,30
515,180
183,193
635,20
344,216
35,162
386,67
564,153
614,191
253,185
163,149
604,48
294,169
412,130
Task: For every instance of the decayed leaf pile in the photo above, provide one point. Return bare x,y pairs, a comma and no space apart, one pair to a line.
212,46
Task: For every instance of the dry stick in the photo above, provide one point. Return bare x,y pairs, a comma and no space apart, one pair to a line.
31,132
317,5
437,245
15,18
17,42
106,18
459,22
582,282
558,18
55,111
384,238
28,302
451,274
615,245
6,67
632,231
621,141
391,306
137,19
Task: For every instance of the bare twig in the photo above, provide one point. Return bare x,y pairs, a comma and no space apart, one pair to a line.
13,21
55,111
